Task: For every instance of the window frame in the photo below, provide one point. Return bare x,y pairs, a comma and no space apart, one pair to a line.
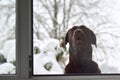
23,41
24,45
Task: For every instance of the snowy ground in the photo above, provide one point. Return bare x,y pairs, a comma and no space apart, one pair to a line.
45,60
7,61
48,53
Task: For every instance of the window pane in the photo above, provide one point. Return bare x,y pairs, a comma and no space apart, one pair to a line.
51,21
7,37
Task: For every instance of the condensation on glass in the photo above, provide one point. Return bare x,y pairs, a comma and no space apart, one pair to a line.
7,37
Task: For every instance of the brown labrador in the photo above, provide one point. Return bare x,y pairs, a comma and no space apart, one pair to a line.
80,39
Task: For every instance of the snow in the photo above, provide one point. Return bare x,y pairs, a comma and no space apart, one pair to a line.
48,54
7,68
7,37
43,59
110,66
8,52
9,46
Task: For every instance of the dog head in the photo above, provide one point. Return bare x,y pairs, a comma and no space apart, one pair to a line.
80,35
80,39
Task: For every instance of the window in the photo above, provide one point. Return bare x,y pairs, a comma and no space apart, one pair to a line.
7,34
23,43
24,49
53,18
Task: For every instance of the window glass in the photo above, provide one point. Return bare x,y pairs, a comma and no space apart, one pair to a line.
53,18
7,37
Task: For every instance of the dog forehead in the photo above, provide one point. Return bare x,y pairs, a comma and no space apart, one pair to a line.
78,27
75,27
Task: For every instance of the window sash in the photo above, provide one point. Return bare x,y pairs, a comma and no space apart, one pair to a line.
23,40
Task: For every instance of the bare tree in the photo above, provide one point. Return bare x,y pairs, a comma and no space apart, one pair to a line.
7,21
54,8
56,16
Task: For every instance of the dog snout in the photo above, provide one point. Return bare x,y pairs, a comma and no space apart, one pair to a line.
78,34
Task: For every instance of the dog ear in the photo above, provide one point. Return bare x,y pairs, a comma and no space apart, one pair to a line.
91,37
66,39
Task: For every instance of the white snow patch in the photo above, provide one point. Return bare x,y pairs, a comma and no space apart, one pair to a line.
40,60
7,68
49,49
9,50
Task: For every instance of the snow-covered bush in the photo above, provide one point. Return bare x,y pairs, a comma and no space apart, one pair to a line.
9,50
7,68
46,61
8,58
2,59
